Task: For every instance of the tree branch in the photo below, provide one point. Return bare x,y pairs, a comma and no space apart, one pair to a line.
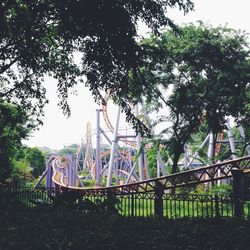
15,87
4,68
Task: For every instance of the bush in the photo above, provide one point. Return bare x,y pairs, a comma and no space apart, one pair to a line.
224,189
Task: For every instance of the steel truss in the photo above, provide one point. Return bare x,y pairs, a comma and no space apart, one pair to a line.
196,176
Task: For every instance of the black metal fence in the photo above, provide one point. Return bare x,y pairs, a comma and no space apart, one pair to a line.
143,205
174,206
28,197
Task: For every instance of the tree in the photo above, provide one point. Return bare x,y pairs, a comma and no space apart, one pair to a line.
15,125
152,160
38,37
35,159
29,48
68,150
201,74
27,164
20,173
245,121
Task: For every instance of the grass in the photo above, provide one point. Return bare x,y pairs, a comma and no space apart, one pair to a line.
61,228
176,208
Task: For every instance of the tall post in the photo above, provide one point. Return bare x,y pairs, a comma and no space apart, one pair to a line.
210,155
98,151
238,193
49,183
160,165
140,157
158,201
210,152
132,204
113,150
87,164
146,164
158,169
186,156
74,171
231,140
242,134
116,169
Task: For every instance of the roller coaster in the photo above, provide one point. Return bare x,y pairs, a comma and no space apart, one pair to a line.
129,166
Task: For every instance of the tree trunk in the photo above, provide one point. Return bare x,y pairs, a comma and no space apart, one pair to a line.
177,154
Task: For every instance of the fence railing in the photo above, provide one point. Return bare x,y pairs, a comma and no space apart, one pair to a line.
177,205
170,206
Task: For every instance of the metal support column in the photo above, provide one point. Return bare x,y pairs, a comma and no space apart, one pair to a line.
160,165
73,179
210,153
146,164
113,150
98,151
186,156
242,135
140,157
231,140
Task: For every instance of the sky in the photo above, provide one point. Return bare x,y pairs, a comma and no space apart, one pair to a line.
59,131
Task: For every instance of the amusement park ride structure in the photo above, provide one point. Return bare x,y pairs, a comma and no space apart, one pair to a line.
125,169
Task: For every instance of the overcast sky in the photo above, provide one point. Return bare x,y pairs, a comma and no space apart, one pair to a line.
58,131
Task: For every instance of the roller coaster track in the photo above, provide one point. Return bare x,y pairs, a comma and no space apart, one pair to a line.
220,136
196,176
109,124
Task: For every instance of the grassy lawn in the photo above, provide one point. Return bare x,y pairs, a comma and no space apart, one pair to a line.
61,228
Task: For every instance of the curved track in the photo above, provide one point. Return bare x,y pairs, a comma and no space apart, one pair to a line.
205,174
109,124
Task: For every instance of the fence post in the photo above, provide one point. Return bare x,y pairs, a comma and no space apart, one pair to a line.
217,211
132,204
158,201
111,201
238,193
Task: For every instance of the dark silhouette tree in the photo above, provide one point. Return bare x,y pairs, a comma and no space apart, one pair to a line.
40,37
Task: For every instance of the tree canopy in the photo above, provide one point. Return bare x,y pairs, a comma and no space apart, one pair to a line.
17,162
201,74
14,126
38,37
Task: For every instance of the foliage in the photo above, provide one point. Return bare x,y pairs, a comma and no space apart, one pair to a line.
196,140
38,37
21,172
245,122
89,183
14,126
30,47
152,160
100,206
68,150
28,164
224,189
201,74
49,228
36,160
75,200
17,163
